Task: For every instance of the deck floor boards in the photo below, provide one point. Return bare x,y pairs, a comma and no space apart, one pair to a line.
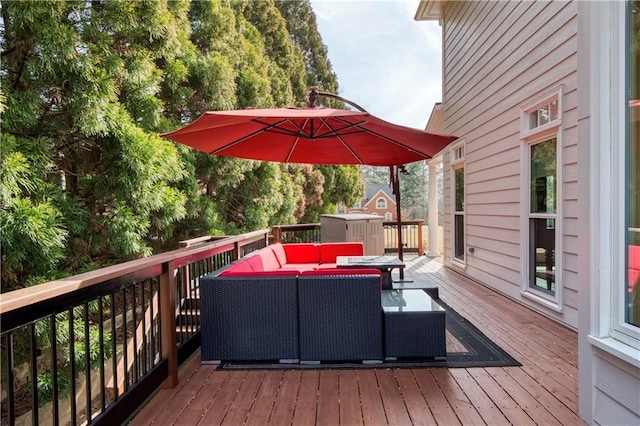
543,391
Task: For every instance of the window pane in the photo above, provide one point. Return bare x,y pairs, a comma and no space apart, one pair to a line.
632,314
543,177
459,177
544,115
542,270
554,111
458,249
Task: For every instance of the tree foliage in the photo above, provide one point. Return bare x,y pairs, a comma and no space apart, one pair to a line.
413,187
88,87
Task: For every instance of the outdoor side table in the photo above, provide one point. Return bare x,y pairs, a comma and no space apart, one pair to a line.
384,264
414,325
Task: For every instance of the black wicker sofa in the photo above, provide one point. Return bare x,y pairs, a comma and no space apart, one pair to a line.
263,308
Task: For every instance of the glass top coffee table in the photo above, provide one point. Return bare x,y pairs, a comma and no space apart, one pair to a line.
383,263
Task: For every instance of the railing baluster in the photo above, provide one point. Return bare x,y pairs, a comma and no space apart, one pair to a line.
34,374
152,293
101,349
183,275
87,361
134,334
114,348
124,340
54,368
11,413
145,358
72,362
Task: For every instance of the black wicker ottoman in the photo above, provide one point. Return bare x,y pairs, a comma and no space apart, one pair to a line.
414,325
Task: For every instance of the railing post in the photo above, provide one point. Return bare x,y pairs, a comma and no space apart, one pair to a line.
168,321
277,234
420,244
237,251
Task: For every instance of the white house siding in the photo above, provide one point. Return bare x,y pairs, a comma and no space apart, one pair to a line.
497,57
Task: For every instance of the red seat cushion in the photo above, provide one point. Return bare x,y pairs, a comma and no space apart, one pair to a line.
344,271
300,267
260,273
329,251
248,264
327,266
302,253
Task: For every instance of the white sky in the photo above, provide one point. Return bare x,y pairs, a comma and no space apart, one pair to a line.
385,61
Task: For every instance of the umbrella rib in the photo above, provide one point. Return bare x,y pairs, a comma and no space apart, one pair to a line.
341,131
314,133
346,145
245,137
293,148
394,141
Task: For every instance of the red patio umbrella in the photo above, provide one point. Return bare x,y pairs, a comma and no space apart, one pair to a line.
309,135
312,135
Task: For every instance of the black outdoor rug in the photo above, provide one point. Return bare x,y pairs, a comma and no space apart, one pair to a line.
466,347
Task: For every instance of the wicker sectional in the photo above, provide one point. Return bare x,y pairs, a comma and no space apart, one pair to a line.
289,303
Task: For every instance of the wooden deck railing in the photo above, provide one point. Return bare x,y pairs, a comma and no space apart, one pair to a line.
412,241
91,348
412,238
301,233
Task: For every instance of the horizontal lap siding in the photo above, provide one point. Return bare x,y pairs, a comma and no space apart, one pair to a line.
499,56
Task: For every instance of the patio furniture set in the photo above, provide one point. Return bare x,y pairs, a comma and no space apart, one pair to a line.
291,303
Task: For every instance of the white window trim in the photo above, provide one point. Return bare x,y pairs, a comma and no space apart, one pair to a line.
609,331
531,137
378,203
457,163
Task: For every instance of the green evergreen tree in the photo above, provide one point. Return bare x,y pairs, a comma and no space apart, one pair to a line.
89,86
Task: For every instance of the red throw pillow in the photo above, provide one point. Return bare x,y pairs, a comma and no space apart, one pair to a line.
302,253
329,251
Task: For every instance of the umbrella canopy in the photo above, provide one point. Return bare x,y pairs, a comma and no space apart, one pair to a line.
310,135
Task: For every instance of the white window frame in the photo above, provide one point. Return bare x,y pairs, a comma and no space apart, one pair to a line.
384,201
530,137
388,216
609,331
456,161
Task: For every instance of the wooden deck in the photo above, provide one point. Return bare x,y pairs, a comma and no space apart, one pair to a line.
543,391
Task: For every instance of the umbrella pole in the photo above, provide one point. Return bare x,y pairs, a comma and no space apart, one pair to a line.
395,185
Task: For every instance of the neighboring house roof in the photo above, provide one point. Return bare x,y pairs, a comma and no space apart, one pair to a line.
380,193
371,189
